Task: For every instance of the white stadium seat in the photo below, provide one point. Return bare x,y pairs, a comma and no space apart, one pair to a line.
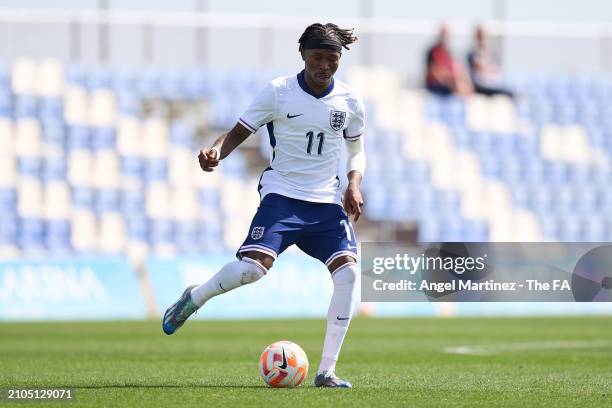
28,141
23,76
80,168
84,230
102,108
112,235
75,105
129,137
49,78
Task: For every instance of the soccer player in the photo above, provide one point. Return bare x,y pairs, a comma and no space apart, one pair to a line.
310,117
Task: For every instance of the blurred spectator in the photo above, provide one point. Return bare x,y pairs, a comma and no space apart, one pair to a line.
484,67
445,76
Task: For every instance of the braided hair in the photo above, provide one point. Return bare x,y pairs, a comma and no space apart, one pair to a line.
329,30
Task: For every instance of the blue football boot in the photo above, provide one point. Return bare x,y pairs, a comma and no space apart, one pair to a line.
330,379
177,314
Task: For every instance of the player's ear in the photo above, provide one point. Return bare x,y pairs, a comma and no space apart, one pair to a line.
302,53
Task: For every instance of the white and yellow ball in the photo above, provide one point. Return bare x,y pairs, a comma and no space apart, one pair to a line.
283,364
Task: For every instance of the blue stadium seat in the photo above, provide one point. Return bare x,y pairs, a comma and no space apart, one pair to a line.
6,103
103,138
548,224
107,200
31,231
490,166
5,77
29,166
83,197
446,203
172,86
209,197
510,169
53,132
57,237
78,137
532,170
132,201
475,231
128,103
8,228
132,166
555,172
137,227
8,199
186,236
451,230
195,85
125,81
594,228
399,209
461,136
540,200
161,231
26,106
569,228
149,84
99,78
520,195
156,170
181,134
416,171
51,108
54,168
75,75
563,200
578,174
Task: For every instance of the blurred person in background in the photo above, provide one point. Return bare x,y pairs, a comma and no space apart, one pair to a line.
444,75
484,67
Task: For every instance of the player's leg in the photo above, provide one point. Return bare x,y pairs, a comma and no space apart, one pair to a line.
232,275
251,267
270,235
334,243
344,273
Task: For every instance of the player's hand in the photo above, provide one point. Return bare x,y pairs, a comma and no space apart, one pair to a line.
353,202
208,159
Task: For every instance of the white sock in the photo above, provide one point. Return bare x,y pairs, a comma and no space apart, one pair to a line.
231,276
339,314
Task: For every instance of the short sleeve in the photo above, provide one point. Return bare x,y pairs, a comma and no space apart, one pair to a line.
356,126
261,110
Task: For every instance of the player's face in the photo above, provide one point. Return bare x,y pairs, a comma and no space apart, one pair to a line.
321,65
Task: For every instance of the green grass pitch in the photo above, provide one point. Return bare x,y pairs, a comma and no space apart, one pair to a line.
525,362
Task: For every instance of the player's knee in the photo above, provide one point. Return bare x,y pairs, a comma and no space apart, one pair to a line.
346,274
252,270
339,262
264,259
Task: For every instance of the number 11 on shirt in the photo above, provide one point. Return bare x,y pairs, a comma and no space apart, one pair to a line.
310,136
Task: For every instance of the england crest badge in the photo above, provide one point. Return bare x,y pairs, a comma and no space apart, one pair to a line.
337,119
257,232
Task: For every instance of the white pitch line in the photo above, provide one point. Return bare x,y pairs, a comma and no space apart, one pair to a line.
491,349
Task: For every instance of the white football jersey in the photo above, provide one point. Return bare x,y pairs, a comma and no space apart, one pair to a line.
307,134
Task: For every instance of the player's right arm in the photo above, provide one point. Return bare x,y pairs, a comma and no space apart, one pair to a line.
223,146
261,111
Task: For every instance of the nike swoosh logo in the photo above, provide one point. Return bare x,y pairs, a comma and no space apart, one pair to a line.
351,247
342,318
284,365
293,116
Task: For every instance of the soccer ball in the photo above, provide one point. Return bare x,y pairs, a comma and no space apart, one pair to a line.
283,364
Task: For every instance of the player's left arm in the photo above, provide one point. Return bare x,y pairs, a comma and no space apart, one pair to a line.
356,161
